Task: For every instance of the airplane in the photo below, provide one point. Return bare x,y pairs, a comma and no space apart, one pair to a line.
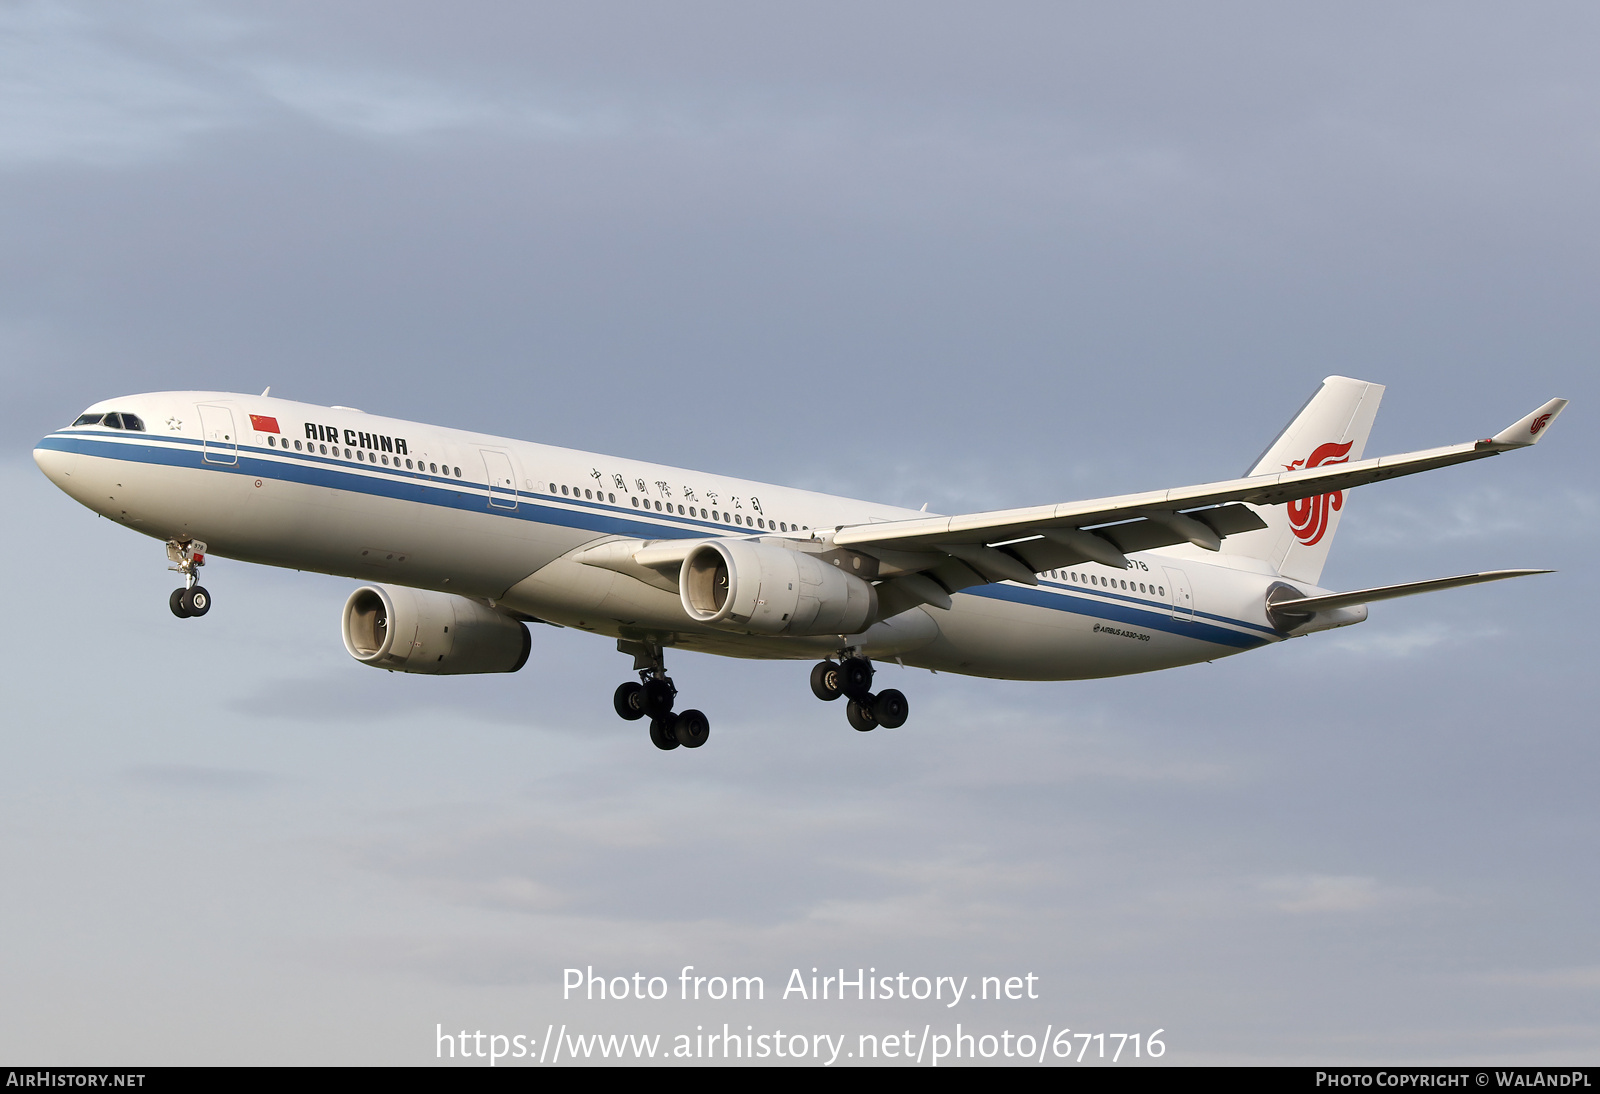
463,539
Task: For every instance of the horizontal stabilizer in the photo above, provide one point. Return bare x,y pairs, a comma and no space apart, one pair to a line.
1308,604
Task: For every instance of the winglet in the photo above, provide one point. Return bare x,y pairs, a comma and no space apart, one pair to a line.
1529,429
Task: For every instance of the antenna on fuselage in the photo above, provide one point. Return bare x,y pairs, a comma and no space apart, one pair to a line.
266,391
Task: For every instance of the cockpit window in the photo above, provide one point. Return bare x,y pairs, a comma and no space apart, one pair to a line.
114,420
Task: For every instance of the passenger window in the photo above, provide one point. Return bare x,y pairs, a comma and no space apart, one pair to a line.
564,490
270,441
361,456
589,494
457,470
552,488
635,502
658,507
88,419
324,449
612,498
347,453
715,515
297,446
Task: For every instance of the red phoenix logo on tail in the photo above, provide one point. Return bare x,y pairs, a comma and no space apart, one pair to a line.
1308,517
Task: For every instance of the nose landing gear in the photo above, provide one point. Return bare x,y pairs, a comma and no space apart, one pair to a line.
192,600
851,677
653,697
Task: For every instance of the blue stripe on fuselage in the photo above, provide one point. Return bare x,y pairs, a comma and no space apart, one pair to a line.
1156,618
426,489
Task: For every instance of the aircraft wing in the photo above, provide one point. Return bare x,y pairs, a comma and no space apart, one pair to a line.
1015,544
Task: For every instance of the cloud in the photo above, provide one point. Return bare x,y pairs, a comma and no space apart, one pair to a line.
1583,977
67,93
1303,893
386,104
1482,513
194,777
1412,640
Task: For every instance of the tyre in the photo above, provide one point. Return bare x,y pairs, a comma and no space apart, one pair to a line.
825,681
656,698
861,716
175,602
197,600
855,677
627,699
692,729
890,709
661,734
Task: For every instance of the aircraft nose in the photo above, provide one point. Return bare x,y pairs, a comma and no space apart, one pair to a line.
57,465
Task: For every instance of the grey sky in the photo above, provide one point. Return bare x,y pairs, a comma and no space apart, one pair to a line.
969,255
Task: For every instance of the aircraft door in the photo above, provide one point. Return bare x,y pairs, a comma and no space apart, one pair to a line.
1182,595
502,479
218,441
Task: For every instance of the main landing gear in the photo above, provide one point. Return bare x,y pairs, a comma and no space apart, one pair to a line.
851,677
653,697
192,599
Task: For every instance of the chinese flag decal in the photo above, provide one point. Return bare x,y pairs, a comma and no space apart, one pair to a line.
262,424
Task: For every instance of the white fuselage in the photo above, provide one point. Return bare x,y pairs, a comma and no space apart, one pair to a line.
380,499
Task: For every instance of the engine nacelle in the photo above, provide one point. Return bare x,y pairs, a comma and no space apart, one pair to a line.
756,588
413,630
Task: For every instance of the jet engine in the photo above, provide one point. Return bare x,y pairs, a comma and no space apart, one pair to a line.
757,588
413,630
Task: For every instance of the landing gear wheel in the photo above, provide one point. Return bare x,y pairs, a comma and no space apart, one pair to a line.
692,729
657,696
197,600
661,734
890,709
176,603
627,701
855,678
825,681
860,715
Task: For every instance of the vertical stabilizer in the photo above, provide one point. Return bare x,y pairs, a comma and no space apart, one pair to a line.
1332,428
